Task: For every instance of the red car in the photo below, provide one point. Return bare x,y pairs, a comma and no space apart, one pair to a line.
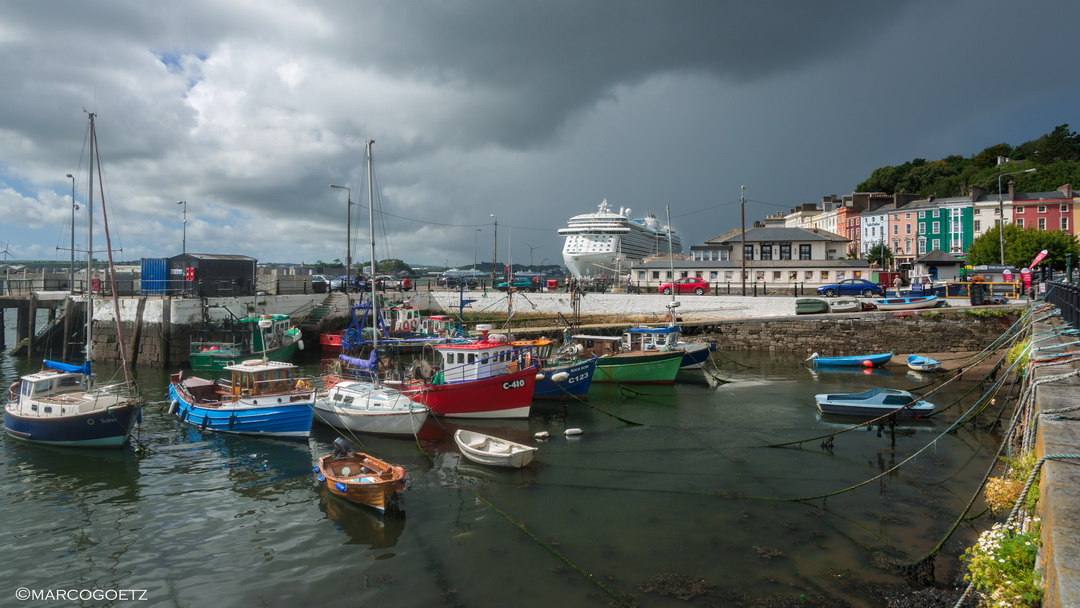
687,285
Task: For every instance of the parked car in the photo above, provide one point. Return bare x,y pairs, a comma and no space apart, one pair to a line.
692,285
520,284
852,287
319,283
469,282
386,282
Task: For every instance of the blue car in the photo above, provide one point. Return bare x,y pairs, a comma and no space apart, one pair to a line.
852,287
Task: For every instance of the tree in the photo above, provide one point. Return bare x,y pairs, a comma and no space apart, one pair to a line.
1021,246
881,255
987,248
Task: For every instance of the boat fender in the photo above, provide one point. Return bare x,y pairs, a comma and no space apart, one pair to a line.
542,435
340,487
540,376
315,469
569,432
172,406
232,420
205,421
320,477
560,377
300,344
401,470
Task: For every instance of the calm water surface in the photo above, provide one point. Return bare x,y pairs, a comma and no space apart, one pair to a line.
656,484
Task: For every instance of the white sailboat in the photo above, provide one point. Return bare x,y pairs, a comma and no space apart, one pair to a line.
61,405
365,405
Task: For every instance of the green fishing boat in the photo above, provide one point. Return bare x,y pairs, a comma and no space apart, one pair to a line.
617,363
264,336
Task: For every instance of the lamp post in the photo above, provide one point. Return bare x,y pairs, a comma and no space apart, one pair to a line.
1001,213
542,263
184,242
495,250
74,208
348,238
742,223
474,238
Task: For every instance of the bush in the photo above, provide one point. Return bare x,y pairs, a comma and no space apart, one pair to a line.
1001,565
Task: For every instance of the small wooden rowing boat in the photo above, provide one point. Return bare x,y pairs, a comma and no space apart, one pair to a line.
852,361
920,363
874,402
486,449
359,477
845,305
809,306
906,303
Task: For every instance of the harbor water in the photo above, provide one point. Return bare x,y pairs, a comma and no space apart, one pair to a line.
669,497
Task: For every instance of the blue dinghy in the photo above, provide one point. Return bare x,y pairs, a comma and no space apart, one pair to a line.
853,361
920,363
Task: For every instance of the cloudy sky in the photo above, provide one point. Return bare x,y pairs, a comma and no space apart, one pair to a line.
533,111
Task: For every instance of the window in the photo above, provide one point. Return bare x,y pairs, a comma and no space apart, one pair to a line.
793,275
922,246
1064,207
907,228
1019,210
748,252
667,275
1042,223
776,275
766,252
922,228
824,276
922,215
840,275
641,275
1020,223
1064,223
729,275
857,274
907,216
978,225
896,229
713,275
697,274
656,274
935,244
937,228
1042,208
785,251
809,275
804,251
759,275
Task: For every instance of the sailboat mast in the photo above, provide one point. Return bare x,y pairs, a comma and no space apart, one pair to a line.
371,235
670,251
90,253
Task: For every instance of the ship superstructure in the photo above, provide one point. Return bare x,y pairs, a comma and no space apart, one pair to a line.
603,243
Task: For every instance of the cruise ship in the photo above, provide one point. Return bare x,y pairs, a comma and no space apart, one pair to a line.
605,242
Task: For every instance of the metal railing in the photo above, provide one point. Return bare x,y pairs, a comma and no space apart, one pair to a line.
1066,296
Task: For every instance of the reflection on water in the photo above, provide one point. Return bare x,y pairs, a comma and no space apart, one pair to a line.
672,479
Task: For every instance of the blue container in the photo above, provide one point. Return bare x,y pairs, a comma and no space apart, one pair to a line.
155,276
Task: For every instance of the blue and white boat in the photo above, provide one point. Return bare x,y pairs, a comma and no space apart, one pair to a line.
920,363
262,398
874,360
568,381
906,302
874,402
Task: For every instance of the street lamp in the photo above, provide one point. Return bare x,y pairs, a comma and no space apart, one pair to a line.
74,208
184,244
348,237
474,236
495,250
742,222
1001,213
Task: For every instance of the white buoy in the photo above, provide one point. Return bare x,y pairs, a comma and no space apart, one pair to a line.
560,377
569,432
542,435
540,376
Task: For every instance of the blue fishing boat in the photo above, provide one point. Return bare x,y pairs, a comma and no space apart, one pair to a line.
852,361
261,397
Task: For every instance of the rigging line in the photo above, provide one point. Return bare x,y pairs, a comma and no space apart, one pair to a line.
550,546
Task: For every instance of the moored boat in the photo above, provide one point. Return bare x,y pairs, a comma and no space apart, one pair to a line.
488,378
262,398
845,305
494,451
920,363
617,364
366,407
359,477
807,306
873,360
269,336
562,374
62,405
874,402
906,302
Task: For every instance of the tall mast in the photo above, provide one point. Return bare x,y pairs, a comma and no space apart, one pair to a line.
374,264
90,253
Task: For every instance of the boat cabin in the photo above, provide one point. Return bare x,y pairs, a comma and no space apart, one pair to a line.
43,385
491,356
651,338
268,331
256,377
597,346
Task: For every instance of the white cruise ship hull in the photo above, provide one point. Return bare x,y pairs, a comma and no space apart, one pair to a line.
605,243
